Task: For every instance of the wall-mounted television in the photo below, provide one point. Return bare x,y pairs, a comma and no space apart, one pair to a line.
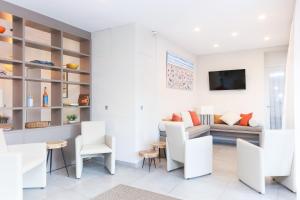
227,80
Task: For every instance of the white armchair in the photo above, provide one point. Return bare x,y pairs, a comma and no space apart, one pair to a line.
22,166
194,154
273,159
93,143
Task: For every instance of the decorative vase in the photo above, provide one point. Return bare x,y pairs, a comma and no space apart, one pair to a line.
2,29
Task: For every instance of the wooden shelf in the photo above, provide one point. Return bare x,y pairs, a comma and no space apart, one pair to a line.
74,53
76,83
10,61
77,71
5,38
10,77
41,107
42,66
41,46
43,80
11,108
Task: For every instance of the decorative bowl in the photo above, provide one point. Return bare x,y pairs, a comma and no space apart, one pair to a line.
2,29
72,66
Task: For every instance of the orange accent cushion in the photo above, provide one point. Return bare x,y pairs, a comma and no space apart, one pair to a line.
176,118
195,118
245,119
217,119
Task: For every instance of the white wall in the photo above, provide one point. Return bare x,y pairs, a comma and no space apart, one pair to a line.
240,101
129,75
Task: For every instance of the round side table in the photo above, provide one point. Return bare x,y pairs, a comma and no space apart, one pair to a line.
161,145
149,154
51,145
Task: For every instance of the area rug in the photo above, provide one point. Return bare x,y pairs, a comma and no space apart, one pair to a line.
124,192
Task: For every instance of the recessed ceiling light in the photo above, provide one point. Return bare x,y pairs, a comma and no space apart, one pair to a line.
196,29
216,45
234,34
262,17
266,38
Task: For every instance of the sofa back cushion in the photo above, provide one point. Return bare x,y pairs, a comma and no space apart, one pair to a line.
218,120
187,119
176,118
231,118
245,119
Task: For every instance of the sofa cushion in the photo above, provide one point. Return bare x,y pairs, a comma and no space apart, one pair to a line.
245,119
235,128
217,119
195,118
230,118
196,131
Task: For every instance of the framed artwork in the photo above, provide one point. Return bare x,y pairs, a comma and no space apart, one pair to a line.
179,73
65,85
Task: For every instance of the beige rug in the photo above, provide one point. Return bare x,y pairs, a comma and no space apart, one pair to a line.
124,192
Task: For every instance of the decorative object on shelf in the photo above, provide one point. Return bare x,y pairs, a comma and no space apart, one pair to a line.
72,66
43,62
3,119
45,98
29,101
84,100
2,29
1,98
65,85
37,124
71,118
6,127
2,72
8,67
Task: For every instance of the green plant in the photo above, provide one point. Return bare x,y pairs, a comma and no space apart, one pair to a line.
71,117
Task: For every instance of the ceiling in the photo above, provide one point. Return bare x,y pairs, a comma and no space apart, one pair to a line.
176,20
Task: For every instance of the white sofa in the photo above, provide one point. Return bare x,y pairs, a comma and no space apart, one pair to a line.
93,143
194,154
22,166
273,159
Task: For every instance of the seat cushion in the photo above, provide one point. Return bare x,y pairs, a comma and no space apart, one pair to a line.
90,149
235,128
196,131
30,161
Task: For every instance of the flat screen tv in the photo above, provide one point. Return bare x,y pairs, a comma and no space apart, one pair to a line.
227,80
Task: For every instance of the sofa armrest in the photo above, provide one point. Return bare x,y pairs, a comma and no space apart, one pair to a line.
78,144
36,149
250,161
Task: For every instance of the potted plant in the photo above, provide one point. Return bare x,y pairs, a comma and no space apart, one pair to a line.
71,118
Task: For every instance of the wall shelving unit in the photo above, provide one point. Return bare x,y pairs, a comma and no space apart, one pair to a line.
30,39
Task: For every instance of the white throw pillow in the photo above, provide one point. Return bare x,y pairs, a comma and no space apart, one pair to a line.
230,118
187,119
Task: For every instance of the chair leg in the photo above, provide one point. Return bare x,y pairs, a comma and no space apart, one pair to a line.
165,153
159,154
48,153
50,161
63,156
154,162
143,162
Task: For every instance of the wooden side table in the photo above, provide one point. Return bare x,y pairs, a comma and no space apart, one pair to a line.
56,145
151,154
161,145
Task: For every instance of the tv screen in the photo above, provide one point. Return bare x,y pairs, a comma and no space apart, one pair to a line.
227,80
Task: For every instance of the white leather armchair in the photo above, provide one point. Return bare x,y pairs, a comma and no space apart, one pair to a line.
194,154
93,143
22,166
273,159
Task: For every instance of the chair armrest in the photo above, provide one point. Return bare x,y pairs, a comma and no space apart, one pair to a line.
11,180
250,164
110,141
78,144
36,149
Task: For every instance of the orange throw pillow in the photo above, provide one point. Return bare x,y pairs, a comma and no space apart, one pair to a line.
245,119
217,119
195,118
176,118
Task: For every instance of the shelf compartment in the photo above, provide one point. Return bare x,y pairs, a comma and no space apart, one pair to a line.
74,53
43,75
41,46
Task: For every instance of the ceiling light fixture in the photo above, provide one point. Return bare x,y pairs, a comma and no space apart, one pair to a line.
266,38
262,17
234,34
196,29
216,45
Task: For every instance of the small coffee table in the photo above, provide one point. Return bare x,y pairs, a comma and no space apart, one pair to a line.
151,154
161,145
51,145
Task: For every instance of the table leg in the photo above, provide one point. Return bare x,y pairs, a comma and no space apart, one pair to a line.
50,161
154,162
165,153
63,156
48,153
150,161
143,162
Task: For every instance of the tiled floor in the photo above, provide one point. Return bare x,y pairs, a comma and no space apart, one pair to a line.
222,184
